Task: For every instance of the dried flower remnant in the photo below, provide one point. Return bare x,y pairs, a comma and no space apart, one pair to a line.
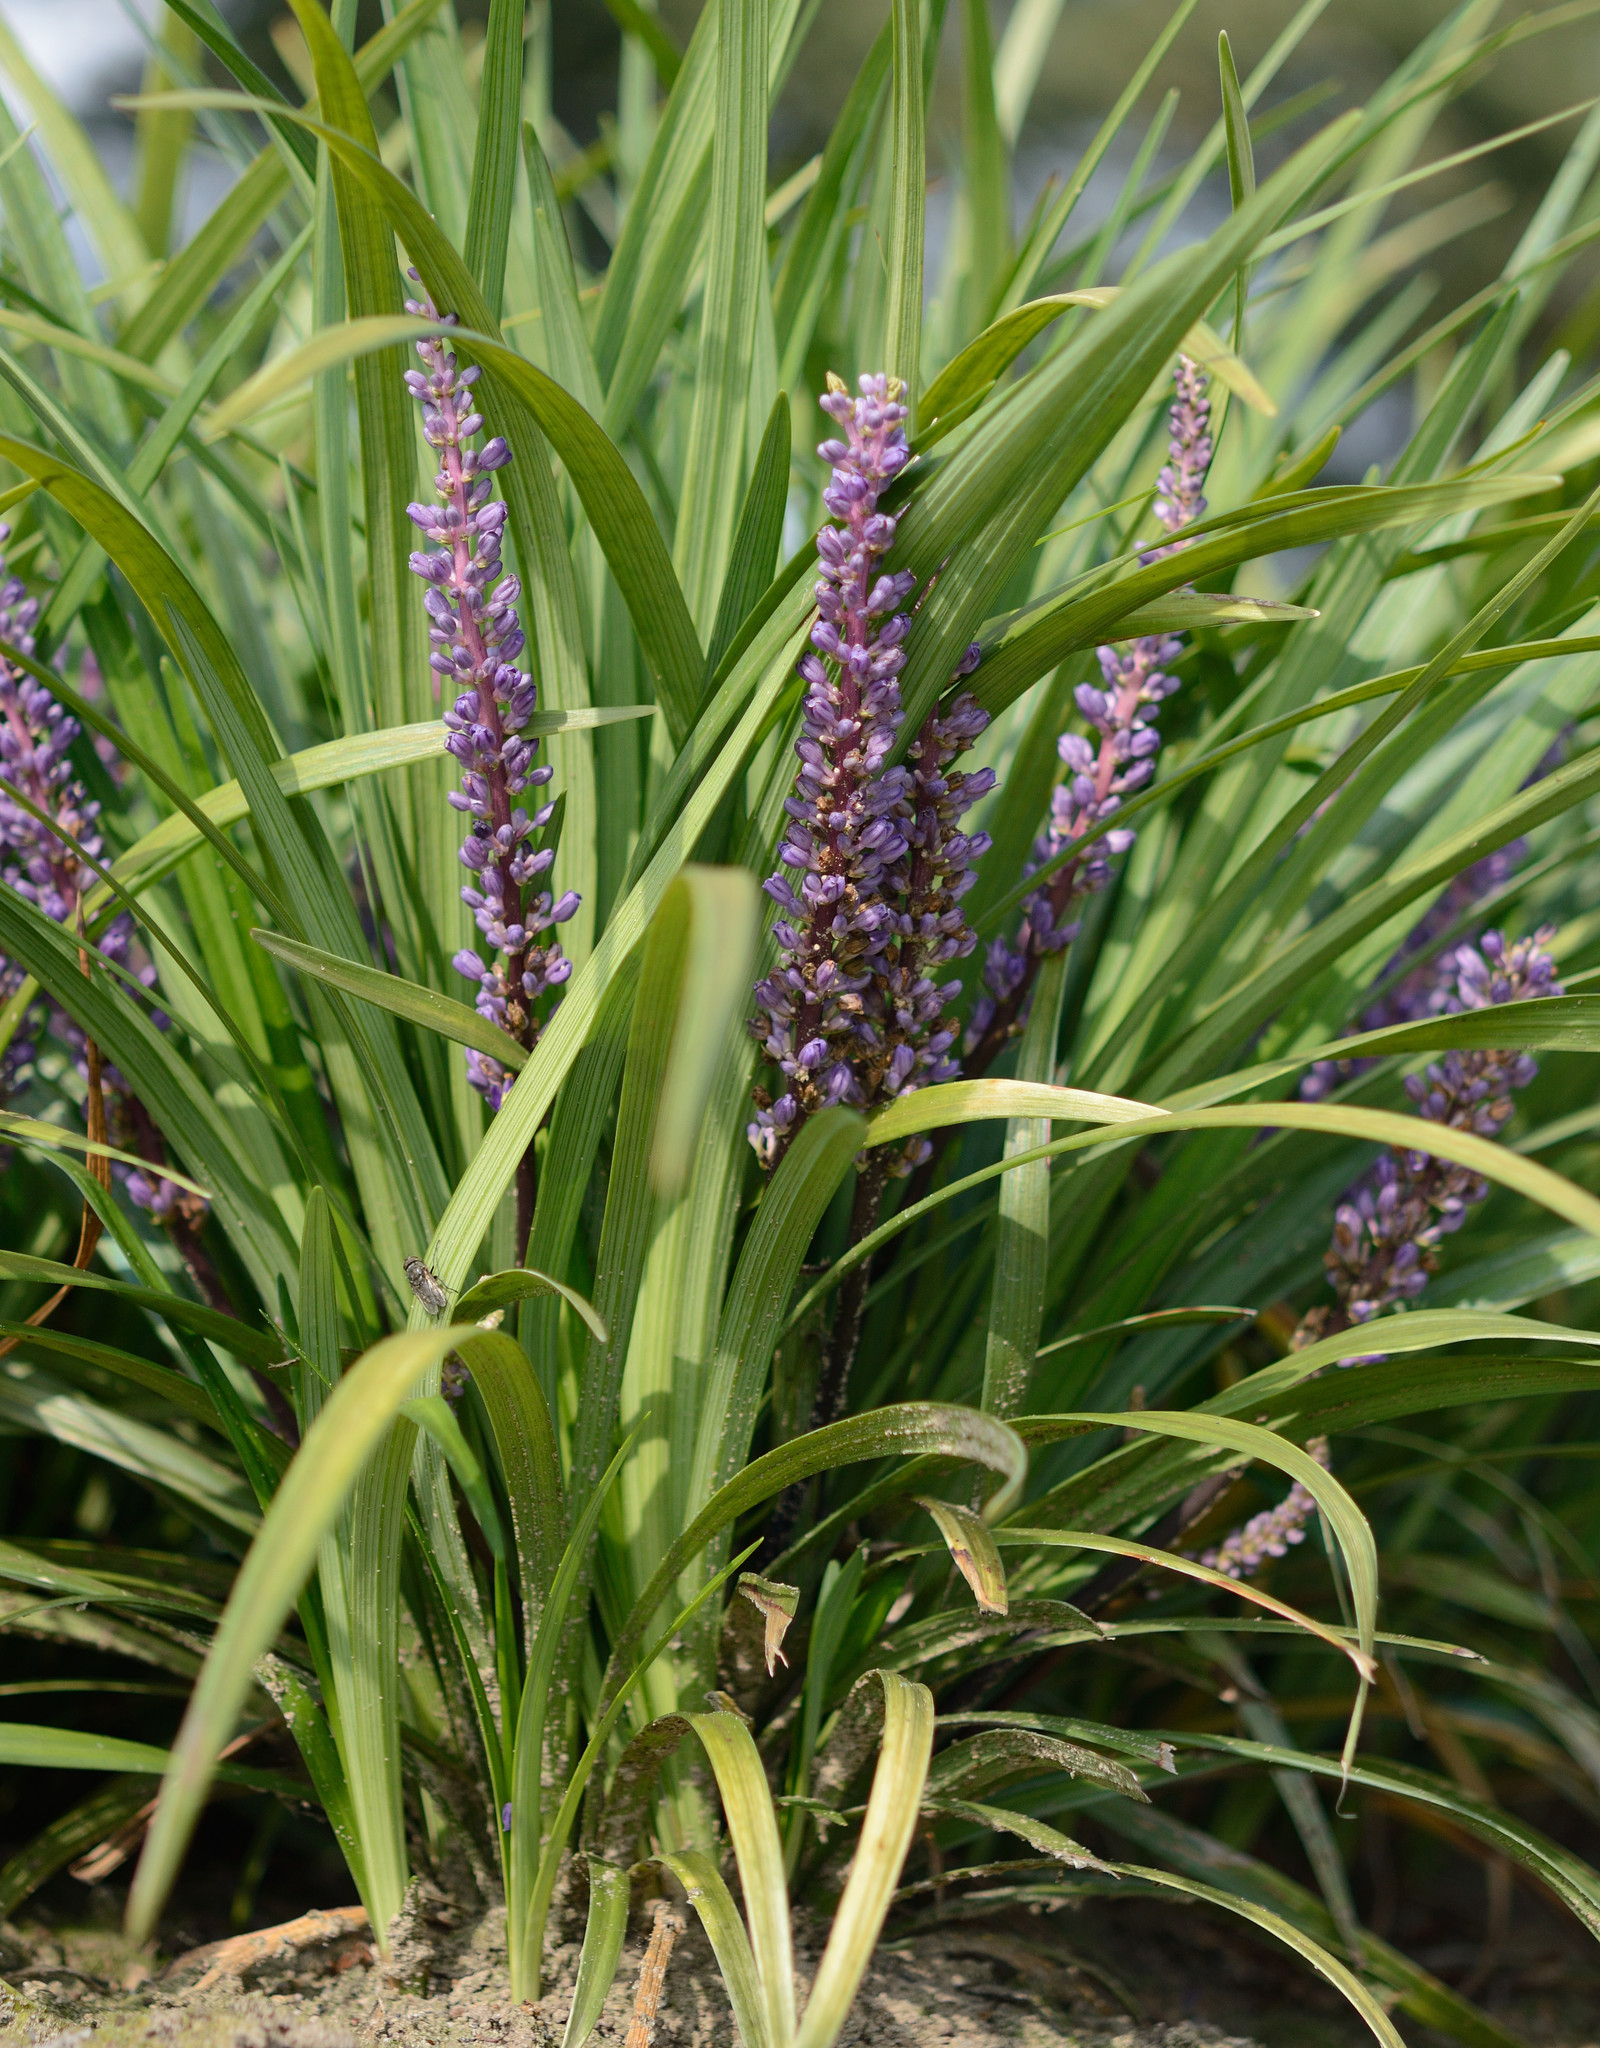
476,636
854,1013
1104,769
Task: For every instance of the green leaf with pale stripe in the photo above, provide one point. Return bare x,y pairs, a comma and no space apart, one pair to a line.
1022,1237
709,1895
29,1130
65,1749
494,162
713,461
973,1551
722,907
422,1006
304,1509
605,1930
910,1429
140,1372
753,1829
901,354
890,1822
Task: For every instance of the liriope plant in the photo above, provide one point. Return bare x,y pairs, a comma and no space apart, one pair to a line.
844,1305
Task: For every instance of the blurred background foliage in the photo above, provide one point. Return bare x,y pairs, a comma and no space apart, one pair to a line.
92,50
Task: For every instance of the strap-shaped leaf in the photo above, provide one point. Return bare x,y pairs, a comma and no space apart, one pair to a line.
327,766
1338,1974
64,1749
401,998
82,1827
967,375
183,1106
604,1931
1360,1653
1203,1856
432,1415
494,162
520,1283
1225,750
721,910
567,1811
1022,1234
1150,1749
611,498
1028,644
1574,1880
140,1372
893,1806
258,1346
911,1428
902,331
304,1509
986,507
30,1130
1038,1834
736,259
980,1763
719,1916
753,1828
759,534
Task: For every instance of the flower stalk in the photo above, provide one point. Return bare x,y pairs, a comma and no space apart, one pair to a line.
857,1010
1109,763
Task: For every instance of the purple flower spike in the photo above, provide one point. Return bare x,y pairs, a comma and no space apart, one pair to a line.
475,636
1118,762
50,868
1387,1230
855,1011
1243,1552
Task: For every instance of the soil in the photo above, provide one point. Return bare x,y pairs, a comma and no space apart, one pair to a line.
1085,1977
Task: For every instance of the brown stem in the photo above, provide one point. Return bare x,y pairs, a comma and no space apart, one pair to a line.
833,1384
527,1194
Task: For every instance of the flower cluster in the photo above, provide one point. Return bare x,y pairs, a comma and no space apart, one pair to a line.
48,864
1272,1533
476,637
1425,988
1120,756
854,1012
1386,1233
1387,1230
36,739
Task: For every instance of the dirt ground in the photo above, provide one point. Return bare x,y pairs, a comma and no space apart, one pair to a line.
1084,1977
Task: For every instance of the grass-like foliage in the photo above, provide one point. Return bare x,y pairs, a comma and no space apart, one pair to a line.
862,1296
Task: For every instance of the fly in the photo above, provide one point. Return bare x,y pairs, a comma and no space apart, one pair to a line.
427,1287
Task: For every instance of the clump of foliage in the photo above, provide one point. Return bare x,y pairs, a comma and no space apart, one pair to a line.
889,1338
